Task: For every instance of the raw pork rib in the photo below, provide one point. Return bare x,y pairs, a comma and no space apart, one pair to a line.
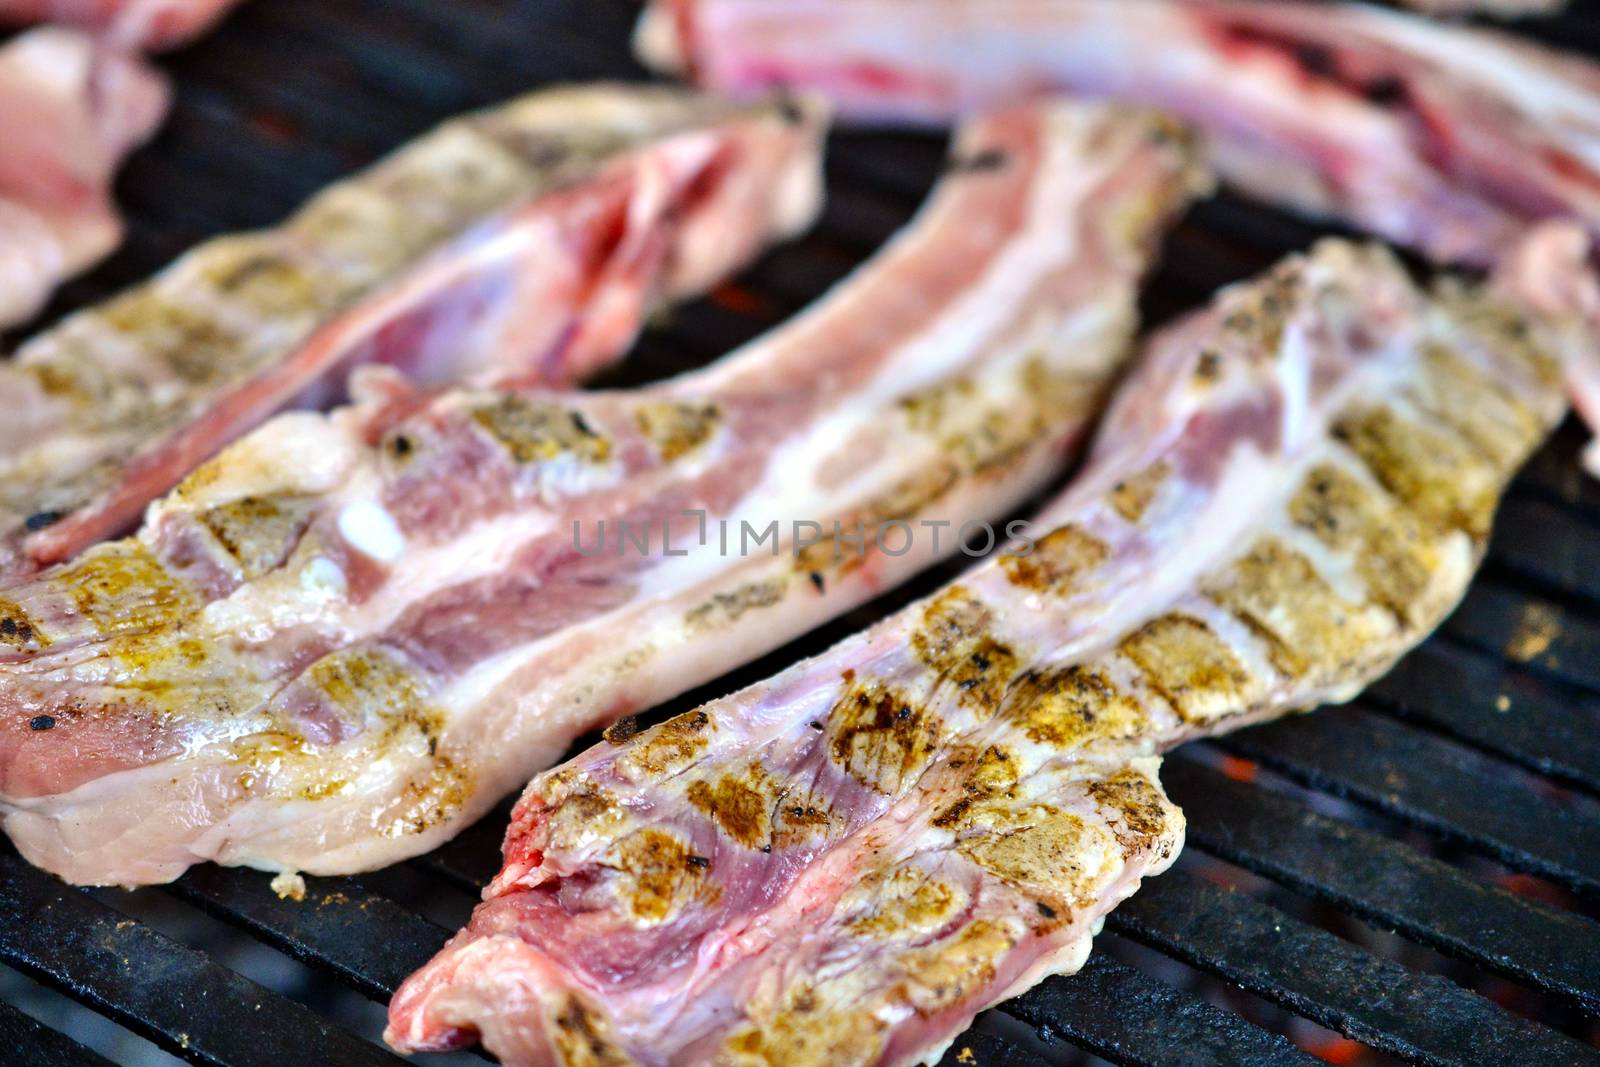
522,243
350,634
130,24
844,864
70,109
1446,139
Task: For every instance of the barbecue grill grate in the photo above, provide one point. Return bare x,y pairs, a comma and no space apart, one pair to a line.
1471,772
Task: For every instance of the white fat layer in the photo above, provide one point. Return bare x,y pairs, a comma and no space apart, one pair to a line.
370,529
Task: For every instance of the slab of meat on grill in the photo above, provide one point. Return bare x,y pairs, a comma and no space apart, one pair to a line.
1446,139
523,243
350,634
843,864
134,24
70,110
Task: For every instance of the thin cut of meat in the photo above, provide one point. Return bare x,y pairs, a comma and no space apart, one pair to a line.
843,864
524,243
1446,139
130,24
70,110
348,635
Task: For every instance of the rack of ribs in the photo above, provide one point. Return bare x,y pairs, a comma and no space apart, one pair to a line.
70,110
843,864
351,633
131,24
522,243
1445,139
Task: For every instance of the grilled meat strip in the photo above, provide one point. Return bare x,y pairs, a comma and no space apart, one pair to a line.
133,24
843,864
519,244
1446,139
70,110
350,634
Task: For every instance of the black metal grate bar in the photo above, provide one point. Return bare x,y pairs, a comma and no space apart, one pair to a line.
1388,883
365,940
157,987
979,1048
1433,783
1124,1015
1545,542
1540,725
1557,473
1530,628
1419,1016
43,1046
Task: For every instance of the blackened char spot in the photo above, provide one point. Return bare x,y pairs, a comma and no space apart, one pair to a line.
1387,91
789,108
1317,59
43,519
622,730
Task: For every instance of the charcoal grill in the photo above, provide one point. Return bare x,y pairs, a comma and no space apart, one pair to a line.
1419,872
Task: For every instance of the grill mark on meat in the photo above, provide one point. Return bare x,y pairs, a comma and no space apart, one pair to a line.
972,848
740,803
1395,554
1280,595
657,876
259,532
1194,670
1435,473
955,643
678,428
534,432
1071,708
582,1038
1057,562
1133,497
903,903
881,738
